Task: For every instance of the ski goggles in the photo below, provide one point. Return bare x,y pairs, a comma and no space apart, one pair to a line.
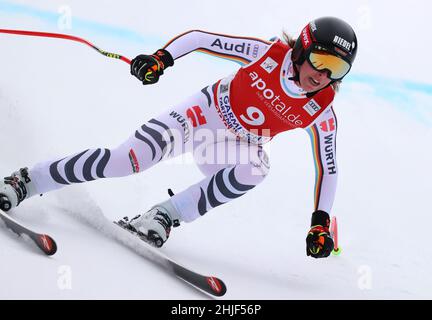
321,59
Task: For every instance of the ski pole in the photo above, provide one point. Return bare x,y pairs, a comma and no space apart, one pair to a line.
334,234
67,37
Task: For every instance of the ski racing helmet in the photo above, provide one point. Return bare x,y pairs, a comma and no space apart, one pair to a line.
329,44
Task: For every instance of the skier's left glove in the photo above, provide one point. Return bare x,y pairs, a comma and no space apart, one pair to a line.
319,243
148,68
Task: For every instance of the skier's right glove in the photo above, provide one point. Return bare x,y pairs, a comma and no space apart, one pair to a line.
148,68
319,243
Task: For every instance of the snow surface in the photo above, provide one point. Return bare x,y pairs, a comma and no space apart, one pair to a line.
58,97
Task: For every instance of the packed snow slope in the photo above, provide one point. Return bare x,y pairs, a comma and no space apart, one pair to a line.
58,97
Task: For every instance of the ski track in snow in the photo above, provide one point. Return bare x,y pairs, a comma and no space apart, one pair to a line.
90,213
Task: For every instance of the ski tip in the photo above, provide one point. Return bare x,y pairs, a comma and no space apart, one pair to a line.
217,286
47,244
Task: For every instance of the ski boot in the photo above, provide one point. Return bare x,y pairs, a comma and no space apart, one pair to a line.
154,226
15,189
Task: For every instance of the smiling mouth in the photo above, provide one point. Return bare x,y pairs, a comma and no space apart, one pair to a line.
313,82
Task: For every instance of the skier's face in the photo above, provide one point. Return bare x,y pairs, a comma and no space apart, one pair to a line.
310,79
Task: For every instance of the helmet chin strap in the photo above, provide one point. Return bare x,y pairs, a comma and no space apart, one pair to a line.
296,76
311,94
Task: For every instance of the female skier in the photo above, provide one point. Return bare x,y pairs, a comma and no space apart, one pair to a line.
283,85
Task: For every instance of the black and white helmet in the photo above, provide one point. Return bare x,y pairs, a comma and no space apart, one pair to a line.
329,36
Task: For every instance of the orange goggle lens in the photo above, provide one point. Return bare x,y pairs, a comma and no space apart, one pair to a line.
325,61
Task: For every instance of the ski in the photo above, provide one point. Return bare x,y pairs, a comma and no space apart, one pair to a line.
212,286
44,242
